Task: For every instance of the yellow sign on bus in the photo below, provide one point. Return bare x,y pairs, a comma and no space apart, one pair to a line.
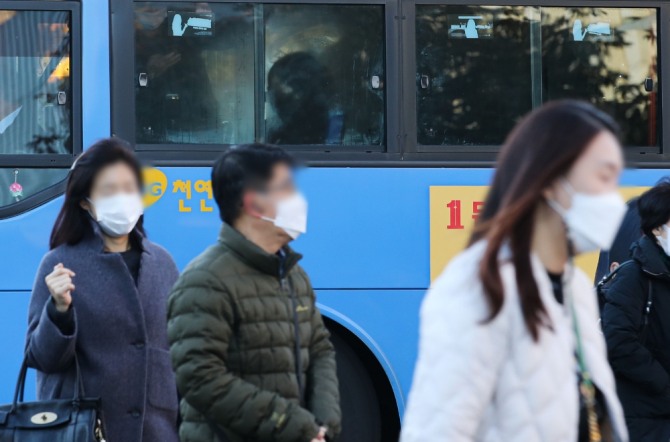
453,211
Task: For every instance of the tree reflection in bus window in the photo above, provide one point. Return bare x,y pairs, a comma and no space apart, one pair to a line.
194,67
605,56
325,74
35,85
471,90
480,68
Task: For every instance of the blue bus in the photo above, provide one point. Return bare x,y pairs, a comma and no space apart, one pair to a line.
398,107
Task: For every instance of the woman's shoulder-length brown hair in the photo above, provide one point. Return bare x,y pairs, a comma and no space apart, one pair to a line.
540,149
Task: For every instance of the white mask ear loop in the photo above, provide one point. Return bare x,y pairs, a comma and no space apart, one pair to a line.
555,204
557,207
266,218
568,187
562,212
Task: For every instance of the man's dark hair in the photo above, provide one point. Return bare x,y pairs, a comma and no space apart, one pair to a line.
654,207
244,167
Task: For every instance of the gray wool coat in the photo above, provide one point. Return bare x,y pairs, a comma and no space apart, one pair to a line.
119,335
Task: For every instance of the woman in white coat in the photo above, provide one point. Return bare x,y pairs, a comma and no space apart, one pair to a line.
510,348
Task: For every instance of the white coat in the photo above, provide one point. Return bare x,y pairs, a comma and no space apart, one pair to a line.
489,381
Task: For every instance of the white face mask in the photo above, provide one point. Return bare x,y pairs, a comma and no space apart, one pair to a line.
592,220
291,215
118,214
665,242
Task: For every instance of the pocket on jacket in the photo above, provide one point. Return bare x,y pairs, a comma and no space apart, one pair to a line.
162,384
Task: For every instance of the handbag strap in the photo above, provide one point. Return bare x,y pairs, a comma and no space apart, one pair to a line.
587,388
21,383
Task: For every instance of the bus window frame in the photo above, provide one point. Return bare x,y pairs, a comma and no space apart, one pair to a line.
56,160
402,148
123,95
51,161
485,155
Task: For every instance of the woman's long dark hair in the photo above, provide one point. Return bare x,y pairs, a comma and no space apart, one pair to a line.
73,222
539,150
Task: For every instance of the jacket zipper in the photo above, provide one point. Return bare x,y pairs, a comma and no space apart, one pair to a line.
287,287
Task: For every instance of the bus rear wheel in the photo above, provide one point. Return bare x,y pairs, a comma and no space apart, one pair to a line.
369,411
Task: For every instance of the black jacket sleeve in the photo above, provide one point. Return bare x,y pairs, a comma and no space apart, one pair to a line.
622,319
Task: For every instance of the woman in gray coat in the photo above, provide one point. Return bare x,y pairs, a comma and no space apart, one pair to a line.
101,294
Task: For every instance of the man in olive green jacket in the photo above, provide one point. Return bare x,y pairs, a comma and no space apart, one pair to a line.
252,356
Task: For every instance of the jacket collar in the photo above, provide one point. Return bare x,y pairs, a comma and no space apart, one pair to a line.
93,238
651,258
275,265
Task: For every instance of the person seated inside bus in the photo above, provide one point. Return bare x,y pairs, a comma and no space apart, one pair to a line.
299,91
175,99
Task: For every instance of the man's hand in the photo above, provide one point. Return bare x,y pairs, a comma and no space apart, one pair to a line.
322,435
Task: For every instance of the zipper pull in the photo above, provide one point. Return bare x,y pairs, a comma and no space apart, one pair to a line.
284,284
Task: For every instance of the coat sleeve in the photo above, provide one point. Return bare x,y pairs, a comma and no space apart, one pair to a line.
460,354
49,348
622,322
323,393
200,332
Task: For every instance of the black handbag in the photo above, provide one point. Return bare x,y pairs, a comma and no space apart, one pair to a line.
59,420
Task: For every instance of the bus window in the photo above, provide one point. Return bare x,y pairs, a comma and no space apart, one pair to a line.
473,73
607,56
479,68
36,101
325,74
194,73
229,73
35,97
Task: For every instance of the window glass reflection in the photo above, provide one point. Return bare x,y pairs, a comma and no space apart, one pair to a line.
480,68
325,74
607,56
194,69
35,84
473,73
19,184
198,80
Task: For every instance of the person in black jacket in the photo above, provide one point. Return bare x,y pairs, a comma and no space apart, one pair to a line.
638,333
628,233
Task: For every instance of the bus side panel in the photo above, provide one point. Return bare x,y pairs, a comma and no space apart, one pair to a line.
13,325
389,321
25,240
367,228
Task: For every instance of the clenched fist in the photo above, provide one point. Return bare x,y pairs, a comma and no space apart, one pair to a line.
60,286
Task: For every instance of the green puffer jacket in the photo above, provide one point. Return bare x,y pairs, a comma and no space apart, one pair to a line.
231,319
